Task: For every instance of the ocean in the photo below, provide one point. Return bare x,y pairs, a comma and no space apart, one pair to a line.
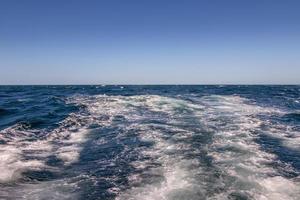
150,142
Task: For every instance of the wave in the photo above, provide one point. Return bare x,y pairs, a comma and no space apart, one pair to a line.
154,147
3,111
292,116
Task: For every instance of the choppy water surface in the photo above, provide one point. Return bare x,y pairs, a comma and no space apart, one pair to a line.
150,142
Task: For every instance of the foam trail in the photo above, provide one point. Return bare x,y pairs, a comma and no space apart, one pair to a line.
175,171
247,169
236,152
200,148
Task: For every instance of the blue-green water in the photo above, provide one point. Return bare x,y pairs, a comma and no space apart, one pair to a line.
149,142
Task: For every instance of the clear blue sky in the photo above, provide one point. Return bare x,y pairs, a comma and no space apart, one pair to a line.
149,42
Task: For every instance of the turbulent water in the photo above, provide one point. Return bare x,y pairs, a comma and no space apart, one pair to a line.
150,142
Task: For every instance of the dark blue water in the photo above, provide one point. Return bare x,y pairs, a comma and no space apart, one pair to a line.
149,142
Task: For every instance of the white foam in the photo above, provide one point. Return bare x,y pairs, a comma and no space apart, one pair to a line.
230,119
235,151
176,172
234,148
13,154
288,137
277,188
69,152
62,189
12,163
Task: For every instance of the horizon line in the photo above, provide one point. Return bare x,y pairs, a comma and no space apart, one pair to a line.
160,84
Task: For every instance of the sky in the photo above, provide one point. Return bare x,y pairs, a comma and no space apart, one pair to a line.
150,42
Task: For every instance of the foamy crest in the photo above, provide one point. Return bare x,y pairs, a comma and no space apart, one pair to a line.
12,164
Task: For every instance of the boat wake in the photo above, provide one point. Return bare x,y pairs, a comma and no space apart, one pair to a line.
153,147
